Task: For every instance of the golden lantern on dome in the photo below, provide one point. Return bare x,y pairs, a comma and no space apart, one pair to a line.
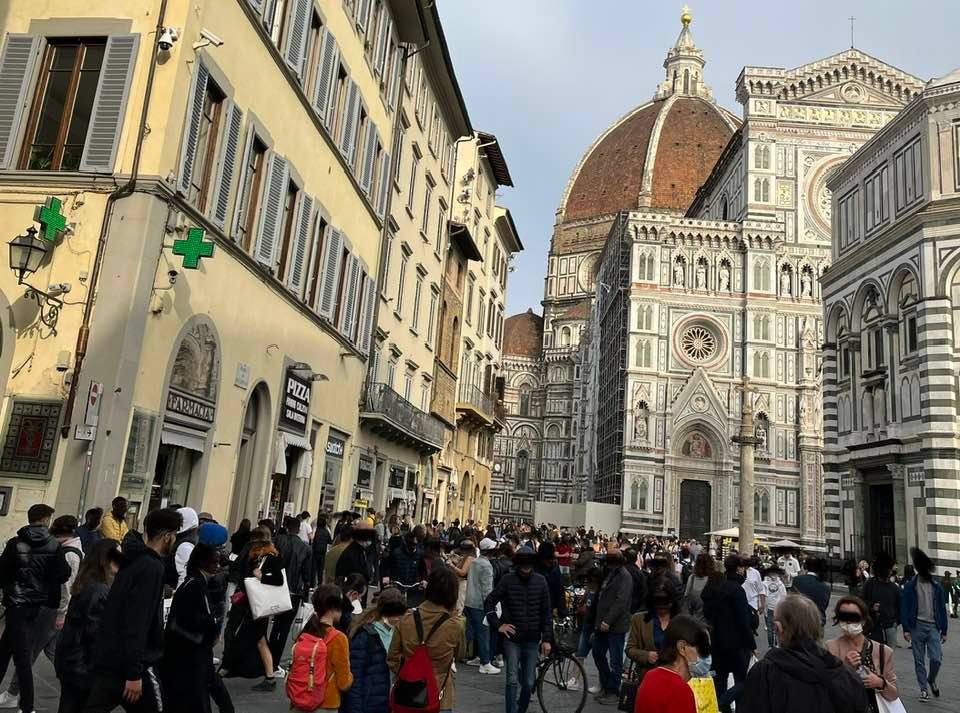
685,17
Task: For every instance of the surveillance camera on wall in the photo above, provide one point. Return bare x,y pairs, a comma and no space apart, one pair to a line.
172,276
210,37
167,38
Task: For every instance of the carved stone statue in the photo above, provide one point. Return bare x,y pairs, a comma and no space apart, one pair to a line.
724,278
785,283
701,276
640,425
678,274
196,368
806,285
761,434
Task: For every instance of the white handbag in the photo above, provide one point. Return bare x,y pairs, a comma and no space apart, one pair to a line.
267,599
894,706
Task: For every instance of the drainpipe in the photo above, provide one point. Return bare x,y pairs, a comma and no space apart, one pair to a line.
127,189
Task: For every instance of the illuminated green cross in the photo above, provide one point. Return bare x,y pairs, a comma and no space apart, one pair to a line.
192,248
52,221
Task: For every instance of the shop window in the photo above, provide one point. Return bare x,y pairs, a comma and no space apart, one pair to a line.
140,445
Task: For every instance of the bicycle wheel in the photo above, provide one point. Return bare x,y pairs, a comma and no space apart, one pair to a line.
562,685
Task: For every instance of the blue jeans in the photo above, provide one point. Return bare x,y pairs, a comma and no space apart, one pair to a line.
586,643
478,633
611,673
925,639
521,658
771,630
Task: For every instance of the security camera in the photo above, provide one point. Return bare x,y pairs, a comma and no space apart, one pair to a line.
213,39
172,276
167,38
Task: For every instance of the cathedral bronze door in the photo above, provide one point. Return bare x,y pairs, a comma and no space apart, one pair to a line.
694,509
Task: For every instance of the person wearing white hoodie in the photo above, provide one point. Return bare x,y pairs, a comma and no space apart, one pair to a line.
187,539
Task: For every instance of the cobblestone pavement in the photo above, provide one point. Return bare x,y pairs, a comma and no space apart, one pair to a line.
484,694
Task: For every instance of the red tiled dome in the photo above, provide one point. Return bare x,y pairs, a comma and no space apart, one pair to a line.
523,334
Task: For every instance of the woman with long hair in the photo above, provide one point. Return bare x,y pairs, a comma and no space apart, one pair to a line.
240,538
685,654
327,603
246,653
703,567
370,637
648,629
869,659
74,658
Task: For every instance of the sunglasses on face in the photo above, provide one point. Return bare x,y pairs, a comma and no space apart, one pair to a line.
849,617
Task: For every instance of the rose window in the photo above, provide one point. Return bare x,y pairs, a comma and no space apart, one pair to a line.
698,343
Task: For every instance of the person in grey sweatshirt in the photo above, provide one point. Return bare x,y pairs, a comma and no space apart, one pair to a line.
479,587
612,622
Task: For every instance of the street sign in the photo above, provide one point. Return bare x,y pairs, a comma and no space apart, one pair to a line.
91,416
85,433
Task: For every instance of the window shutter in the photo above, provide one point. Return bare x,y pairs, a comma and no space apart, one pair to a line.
369,158
238,209
298,256
348,309
393,91
327,76
363,14
229,144
109,104
331,272
191,129
257,5
271,213
366,323
296,42
16,65
351,120
386,174
383,44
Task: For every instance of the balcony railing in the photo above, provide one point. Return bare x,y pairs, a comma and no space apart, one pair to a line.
400,420
500,412
473,397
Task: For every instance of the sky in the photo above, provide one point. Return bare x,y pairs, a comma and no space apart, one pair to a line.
548,76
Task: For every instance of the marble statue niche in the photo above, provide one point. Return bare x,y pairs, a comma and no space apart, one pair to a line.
724,277
785,283
641,422
701,276
678,274
806,284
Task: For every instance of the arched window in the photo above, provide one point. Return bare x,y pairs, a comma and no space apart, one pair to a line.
649,263
761,365
723,209
761,327
645,317
758,156
523,464
761,505
565,337
761,274
643,353
638,494
525,400
686,81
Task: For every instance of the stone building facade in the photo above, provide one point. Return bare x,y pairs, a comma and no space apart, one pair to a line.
892,302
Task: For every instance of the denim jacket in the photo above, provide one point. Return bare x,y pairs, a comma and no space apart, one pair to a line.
908,606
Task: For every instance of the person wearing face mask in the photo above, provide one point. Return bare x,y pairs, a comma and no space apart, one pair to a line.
370,636
647,630
358,556
685,654
354,591
295,557
869,659
130,641
612,623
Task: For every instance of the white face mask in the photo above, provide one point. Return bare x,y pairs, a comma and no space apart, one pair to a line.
357,607
852,629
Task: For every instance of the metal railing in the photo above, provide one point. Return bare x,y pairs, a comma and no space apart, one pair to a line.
383,400
470,394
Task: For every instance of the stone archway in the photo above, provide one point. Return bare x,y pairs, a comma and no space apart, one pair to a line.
693,472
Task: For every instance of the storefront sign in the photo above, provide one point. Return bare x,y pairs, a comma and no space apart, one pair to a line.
296,403
361,504
189,406
192,248
334,447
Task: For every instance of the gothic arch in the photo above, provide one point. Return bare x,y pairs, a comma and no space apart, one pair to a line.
837,320
707,430
902,274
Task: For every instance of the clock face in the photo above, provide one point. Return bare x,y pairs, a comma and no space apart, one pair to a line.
818,196
588,271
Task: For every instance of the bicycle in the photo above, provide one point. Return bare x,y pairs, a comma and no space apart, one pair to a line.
561,678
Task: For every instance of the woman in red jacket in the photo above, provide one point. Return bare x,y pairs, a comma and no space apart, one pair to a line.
685,654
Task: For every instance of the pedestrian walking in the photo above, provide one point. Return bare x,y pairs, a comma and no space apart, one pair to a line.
130,641
186,668
33,568
639,593
883,602
612,623
684,654
240,538
790,566
322,539
774,592
800,676
327,603
295,557
753,588
692,603
370,639
89,532
871,660
401,568
114,526
951,591
479,587
548,567
305,531
647,631
246,652
923,614
74,660
433,623
811,585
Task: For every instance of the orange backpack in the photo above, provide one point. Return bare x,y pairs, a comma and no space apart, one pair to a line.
307,679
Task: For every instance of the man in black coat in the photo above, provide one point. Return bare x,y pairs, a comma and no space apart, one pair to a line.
547,566
639,577
130,641
725,608
612,623
33,567
322,539
811,585
295,556
354,559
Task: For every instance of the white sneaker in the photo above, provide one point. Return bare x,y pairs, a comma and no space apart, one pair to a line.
280,672
574,684
498,661
453,666
216,661
8,701
595,689
474,661
490,669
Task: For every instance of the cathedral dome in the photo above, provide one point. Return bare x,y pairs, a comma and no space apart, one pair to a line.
658,154
523,334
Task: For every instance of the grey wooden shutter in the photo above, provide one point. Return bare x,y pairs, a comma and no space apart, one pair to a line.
239,208
383,44
271,212
326,77
109,104
296,42
311,268
330,272
348,308
366,322
16,68
257,5
229,145
301,244
393,90
386,179
191,129
363,14
351,121
369,158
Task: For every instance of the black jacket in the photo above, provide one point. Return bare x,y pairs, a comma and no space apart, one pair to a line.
74,658
883,601
353,560
33,567
321,540
401,565
613,602
725,608
131,630
639,595
558,593
188,648
812,587
295,556
806,679
525,603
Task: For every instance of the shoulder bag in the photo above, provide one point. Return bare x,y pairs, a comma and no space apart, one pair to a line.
883,705
267,599
629,688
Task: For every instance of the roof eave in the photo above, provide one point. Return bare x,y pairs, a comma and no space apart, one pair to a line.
461,237
496,159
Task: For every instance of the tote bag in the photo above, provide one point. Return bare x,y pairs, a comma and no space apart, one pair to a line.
267,599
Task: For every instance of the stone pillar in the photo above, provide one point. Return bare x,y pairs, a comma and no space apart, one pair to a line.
747,439
898,473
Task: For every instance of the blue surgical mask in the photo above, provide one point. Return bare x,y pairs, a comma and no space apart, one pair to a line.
701,667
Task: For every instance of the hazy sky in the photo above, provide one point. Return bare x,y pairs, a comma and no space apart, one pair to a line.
547,76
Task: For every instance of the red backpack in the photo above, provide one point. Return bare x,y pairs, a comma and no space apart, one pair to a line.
416,690
307,679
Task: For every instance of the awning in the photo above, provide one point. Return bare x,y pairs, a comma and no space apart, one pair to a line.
175,435
285,439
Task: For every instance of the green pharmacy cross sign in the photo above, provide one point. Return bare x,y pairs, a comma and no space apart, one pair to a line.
192,248
52,221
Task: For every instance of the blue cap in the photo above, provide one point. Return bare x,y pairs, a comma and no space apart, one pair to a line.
212,533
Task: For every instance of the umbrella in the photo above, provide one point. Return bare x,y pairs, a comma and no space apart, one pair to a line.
733,532
785,545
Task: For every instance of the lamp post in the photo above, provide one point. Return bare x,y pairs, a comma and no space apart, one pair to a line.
27,252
